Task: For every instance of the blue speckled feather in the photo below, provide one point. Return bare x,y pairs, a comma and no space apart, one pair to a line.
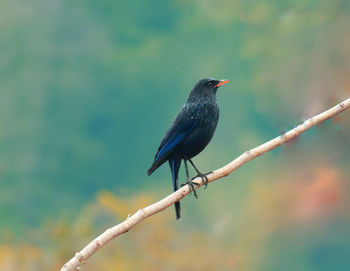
183,126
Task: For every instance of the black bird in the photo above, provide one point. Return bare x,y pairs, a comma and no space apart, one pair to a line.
190,133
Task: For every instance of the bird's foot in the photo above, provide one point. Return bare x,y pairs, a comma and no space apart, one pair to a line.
192,189
203,177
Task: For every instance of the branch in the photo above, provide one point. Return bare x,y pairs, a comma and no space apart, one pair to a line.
159,206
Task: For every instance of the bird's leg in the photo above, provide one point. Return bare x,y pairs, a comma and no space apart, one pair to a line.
200,174
189,181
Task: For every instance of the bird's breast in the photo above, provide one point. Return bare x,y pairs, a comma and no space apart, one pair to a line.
200,138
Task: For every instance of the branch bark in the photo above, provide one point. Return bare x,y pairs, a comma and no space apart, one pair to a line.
159,206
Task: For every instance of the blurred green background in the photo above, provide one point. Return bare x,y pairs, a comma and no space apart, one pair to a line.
88,90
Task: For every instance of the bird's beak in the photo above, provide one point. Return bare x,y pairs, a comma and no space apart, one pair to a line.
221,82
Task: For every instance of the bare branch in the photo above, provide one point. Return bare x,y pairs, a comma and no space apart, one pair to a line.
150,210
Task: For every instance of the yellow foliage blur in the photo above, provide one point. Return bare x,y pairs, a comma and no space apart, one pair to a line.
154,245
160,243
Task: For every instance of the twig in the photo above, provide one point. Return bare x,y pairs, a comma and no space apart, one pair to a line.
150,210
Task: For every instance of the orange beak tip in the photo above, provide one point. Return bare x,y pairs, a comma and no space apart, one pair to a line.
222,82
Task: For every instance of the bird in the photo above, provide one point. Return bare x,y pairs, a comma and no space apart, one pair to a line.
190,132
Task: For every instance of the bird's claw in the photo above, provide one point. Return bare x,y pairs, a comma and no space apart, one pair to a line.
204,178
192,189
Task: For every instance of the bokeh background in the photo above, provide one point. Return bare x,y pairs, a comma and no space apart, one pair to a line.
89,88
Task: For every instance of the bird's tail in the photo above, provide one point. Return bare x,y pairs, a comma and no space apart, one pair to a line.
175,164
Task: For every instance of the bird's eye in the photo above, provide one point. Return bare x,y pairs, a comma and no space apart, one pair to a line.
210,84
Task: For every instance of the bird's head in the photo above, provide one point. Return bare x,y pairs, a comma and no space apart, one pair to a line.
206,88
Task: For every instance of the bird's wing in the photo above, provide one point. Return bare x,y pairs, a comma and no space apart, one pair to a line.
183,126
